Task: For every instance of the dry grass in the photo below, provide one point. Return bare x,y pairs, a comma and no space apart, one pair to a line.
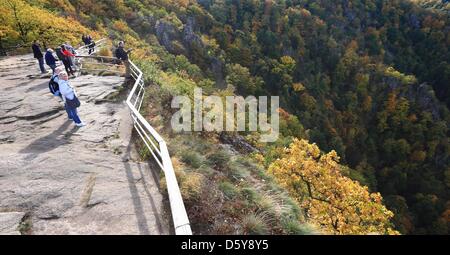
273,203
105,52
256,224
92,66
190,183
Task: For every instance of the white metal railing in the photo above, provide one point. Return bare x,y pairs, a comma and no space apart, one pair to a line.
155,144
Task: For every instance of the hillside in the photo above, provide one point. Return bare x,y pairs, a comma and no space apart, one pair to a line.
366,79
440,5
360,78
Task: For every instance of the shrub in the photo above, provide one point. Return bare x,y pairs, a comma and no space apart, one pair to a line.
105,52
219,159
249,193
228,189
143,150
206,170
237,171
202,147
294,227
192,158
191,185
267,204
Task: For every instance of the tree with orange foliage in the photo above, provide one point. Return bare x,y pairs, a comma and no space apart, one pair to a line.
330,199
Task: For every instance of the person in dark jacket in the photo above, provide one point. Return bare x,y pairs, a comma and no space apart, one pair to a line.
59,53
38,55
71,50
50,60
122,54
84,39
91,44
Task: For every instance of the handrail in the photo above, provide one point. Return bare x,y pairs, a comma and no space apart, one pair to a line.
158,148
97,57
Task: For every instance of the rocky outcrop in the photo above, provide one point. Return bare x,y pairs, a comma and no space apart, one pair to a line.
238,142
167,33
10,222
421,94
71,180
188,42
424,96
189,35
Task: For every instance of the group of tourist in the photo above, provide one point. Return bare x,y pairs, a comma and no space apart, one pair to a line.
64,53
59,84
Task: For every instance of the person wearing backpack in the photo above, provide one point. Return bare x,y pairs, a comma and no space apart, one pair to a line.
53,86
70,98
50,60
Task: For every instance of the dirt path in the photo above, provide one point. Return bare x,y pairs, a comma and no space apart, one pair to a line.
56,178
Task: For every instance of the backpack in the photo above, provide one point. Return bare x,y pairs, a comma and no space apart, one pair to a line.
53,86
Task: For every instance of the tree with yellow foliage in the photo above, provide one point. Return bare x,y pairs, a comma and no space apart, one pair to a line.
330,199
31,22
17,13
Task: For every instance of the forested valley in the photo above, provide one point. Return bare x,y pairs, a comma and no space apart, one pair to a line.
364,89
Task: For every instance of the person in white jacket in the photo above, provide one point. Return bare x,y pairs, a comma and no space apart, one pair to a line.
68,93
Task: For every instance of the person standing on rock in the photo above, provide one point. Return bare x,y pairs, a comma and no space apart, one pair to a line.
54,88
91,44
70,98
66,61
70,49
122,54
59,54
87,39
50,60
38,55
84,39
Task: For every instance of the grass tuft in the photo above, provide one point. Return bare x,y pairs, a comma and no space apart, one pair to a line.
219,159
228,189
191,185
191,158
255,224
249,194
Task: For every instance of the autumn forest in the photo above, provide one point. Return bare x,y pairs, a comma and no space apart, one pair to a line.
364,103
